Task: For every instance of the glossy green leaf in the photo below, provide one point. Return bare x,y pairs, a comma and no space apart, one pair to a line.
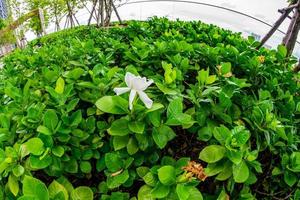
34,146
240,172
119,128
60,85
162,135
166,175
82,193
13,185
144,193
136,127
35,188
55,188
212,153
113,105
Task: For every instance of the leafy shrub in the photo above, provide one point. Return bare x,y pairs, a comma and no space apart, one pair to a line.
218,103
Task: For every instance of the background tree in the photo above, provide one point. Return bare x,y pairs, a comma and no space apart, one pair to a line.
72,8
57,9
290,38
15,11
102,11
9,36
35,22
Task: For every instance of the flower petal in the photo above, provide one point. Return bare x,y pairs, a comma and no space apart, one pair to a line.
129,78
141,84
149,82
145,99
131,98
121,90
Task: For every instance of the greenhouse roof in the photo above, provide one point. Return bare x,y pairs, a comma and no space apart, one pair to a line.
250,19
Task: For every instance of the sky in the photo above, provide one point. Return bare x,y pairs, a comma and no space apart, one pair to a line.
266,10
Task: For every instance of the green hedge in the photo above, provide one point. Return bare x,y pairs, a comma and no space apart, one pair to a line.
218,104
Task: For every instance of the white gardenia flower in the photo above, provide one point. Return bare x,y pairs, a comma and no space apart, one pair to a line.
136,85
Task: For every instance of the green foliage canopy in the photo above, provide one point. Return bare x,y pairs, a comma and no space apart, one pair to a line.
217,101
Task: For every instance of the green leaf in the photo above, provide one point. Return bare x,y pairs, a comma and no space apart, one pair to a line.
162,135
165,89
142,171
44,130
211,79
282,51
76,118
37,163
195,194
235,156
295,162
290,178
170,73
175,115
223,195
119,142
113,105
35,188
212,153
85,167
214,168
175,108
55,188
297,194
205,133
225,68
58,151
113,162
60,86
221,134
240,172
202,76
13,185
226,172
27,198
119,128
75,73
160,191
182,191
132,146
72,104
116,181
155,118
150,179
181,119
144,193
240,136
155,107
66,183
71,166
50,120
137,127
18,170
167,175
34,146
82,193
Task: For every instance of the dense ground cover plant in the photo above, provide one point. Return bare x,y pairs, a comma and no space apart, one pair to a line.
224,121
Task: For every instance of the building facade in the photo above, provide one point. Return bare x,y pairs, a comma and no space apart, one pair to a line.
3,9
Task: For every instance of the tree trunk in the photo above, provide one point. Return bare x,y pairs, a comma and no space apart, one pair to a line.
102,13
297,68
293,36
284,15
292,24
92,12
116,11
